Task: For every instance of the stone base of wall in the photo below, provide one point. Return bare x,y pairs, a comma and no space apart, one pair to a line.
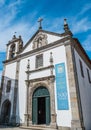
49,127
39,127
63,128
69,128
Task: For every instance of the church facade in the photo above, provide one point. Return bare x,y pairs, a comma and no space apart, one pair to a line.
47,82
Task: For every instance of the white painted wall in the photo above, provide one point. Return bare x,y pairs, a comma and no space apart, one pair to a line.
85,91
63,117
10,71
59,56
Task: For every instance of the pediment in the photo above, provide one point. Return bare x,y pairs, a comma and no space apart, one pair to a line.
39,39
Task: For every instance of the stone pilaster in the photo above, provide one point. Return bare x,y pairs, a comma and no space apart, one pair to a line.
27,95
76,121
53,113
14,116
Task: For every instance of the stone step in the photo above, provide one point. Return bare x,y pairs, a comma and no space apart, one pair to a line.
38,127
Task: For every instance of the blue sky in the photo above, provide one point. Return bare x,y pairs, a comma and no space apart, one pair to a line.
21,16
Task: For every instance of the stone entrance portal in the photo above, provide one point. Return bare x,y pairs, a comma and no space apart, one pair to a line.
41,106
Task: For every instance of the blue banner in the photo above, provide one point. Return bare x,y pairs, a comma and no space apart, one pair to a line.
61,87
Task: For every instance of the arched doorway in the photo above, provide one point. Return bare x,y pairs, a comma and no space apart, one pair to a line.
41,106
5,111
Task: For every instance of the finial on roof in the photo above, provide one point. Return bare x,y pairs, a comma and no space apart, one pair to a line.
66,27
65,21
14,36
40,21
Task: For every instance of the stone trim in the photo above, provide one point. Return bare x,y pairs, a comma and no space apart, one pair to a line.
14,40
40,79
48,46
47,82
76,44
40,40
67,35
48,32
63,128
40,69
77,89
15,93
76,120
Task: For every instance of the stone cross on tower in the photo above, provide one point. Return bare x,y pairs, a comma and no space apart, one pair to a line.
40,20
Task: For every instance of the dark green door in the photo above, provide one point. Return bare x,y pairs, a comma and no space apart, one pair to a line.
41,110
41,106
34,111
47,110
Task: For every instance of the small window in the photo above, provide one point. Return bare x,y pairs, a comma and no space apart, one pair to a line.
8,86
88,76
39,61
81,67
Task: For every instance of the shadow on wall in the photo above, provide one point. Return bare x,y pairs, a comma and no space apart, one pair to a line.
9,102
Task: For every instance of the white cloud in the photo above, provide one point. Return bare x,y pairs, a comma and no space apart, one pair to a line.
22,28
87,43
2,2
85,8
7,27
15,3
55,25
82,25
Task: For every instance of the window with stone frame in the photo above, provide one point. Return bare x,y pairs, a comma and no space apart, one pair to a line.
88,76
81,68
8,87
39,60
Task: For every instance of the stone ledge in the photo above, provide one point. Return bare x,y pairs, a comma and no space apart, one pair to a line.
38,127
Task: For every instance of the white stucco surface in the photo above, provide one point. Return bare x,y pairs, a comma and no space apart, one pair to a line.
10,70
63,117
85,90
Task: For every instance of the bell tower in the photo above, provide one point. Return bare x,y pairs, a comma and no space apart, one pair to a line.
14,46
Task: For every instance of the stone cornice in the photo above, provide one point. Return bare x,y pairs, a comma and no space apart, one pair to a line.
41,79
67,40
48,32
74,42
14,40
40,69
48,46
81,51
